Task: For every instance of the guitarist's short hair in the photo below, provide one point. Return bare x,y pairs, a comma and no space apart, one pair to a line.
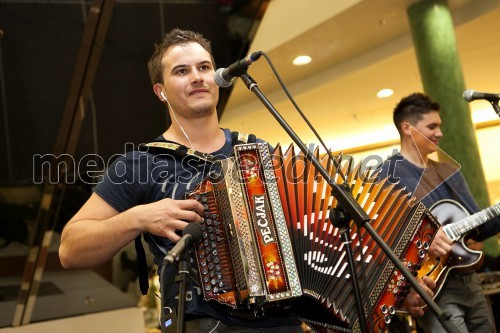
411,109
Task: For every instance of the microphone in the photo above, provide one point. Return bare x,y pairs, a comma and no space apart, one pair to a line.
471,95
192,232
224,76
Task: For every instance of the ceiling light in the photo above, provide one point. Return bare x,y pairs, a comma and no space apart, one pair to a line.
384,93
302,60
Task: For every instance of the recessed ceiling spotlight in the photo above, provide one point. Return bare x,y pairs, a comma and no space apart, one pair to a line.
384,93
302,60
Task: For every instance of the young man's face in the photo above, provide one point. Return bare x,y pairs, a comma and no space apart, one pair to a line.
188,80
427,132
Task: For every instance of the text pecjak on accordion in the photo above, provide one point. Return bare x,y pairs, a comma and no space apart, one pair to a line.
268,240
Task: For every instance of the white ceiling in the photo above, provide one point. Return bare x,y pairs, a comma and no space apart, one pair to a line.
357,48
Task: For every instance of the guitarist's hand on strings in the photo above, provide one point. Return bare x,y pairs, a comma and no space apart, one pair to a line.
413,303
441,245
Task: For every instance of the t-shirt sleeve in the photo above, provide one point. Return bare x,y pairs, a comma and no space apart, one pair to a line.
123,185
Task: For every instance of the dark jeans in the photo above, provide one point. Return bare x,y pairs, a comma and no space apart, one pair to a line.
462,297
209,325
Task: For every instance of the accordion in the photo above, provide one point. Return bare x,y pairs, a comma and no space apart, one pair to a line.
268,240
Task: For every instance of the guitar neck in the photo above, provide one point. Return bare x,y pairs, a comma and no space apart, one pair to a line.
458,229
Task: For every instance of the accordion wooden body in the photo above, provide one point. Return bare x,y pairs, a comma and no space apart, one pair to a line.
268,240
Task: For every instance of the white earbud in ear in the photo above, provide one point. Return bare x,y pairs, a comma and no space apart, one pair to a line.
162,95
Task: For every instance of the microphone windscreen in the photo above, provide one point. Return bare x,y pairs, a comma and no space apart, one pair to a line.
220,81
193,229
468,94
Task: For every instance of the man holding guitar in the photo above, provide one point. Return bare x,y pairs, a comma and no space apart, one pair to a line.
443,189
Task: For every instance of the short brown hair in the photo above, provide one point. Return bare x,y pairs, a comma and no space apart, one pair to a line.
173,38
411,109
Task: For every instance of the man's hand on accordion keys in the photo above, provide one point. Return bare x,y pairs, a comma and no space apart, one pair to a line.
413,303
164,217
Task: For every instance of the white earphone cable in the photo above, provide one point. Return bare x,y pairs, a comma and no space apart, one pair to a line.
213,329
175,118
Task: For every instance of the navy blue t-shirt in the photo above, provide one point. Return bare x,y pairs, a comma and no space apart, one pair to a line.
139,178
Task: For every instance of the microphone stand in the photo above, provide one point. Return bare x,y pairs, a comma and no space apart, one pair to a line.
182,277
352,208
341,220
496,107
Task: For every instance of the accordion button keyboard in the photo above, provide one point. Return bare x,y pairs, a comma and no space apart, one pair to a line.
212,252
213,279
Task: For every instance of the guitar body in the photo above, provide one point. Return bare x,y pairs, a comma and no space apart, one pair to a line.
460,258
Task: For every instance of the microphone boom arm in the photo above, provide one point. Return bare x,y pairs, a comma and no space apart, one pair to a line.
471,95
496,107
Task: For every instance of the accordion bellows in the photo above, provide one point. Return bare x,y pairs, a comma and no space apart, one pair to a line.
268,241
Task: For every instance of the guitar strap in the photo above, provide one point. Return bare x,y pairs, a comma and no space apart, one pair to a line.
454,187
162,147
455,184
